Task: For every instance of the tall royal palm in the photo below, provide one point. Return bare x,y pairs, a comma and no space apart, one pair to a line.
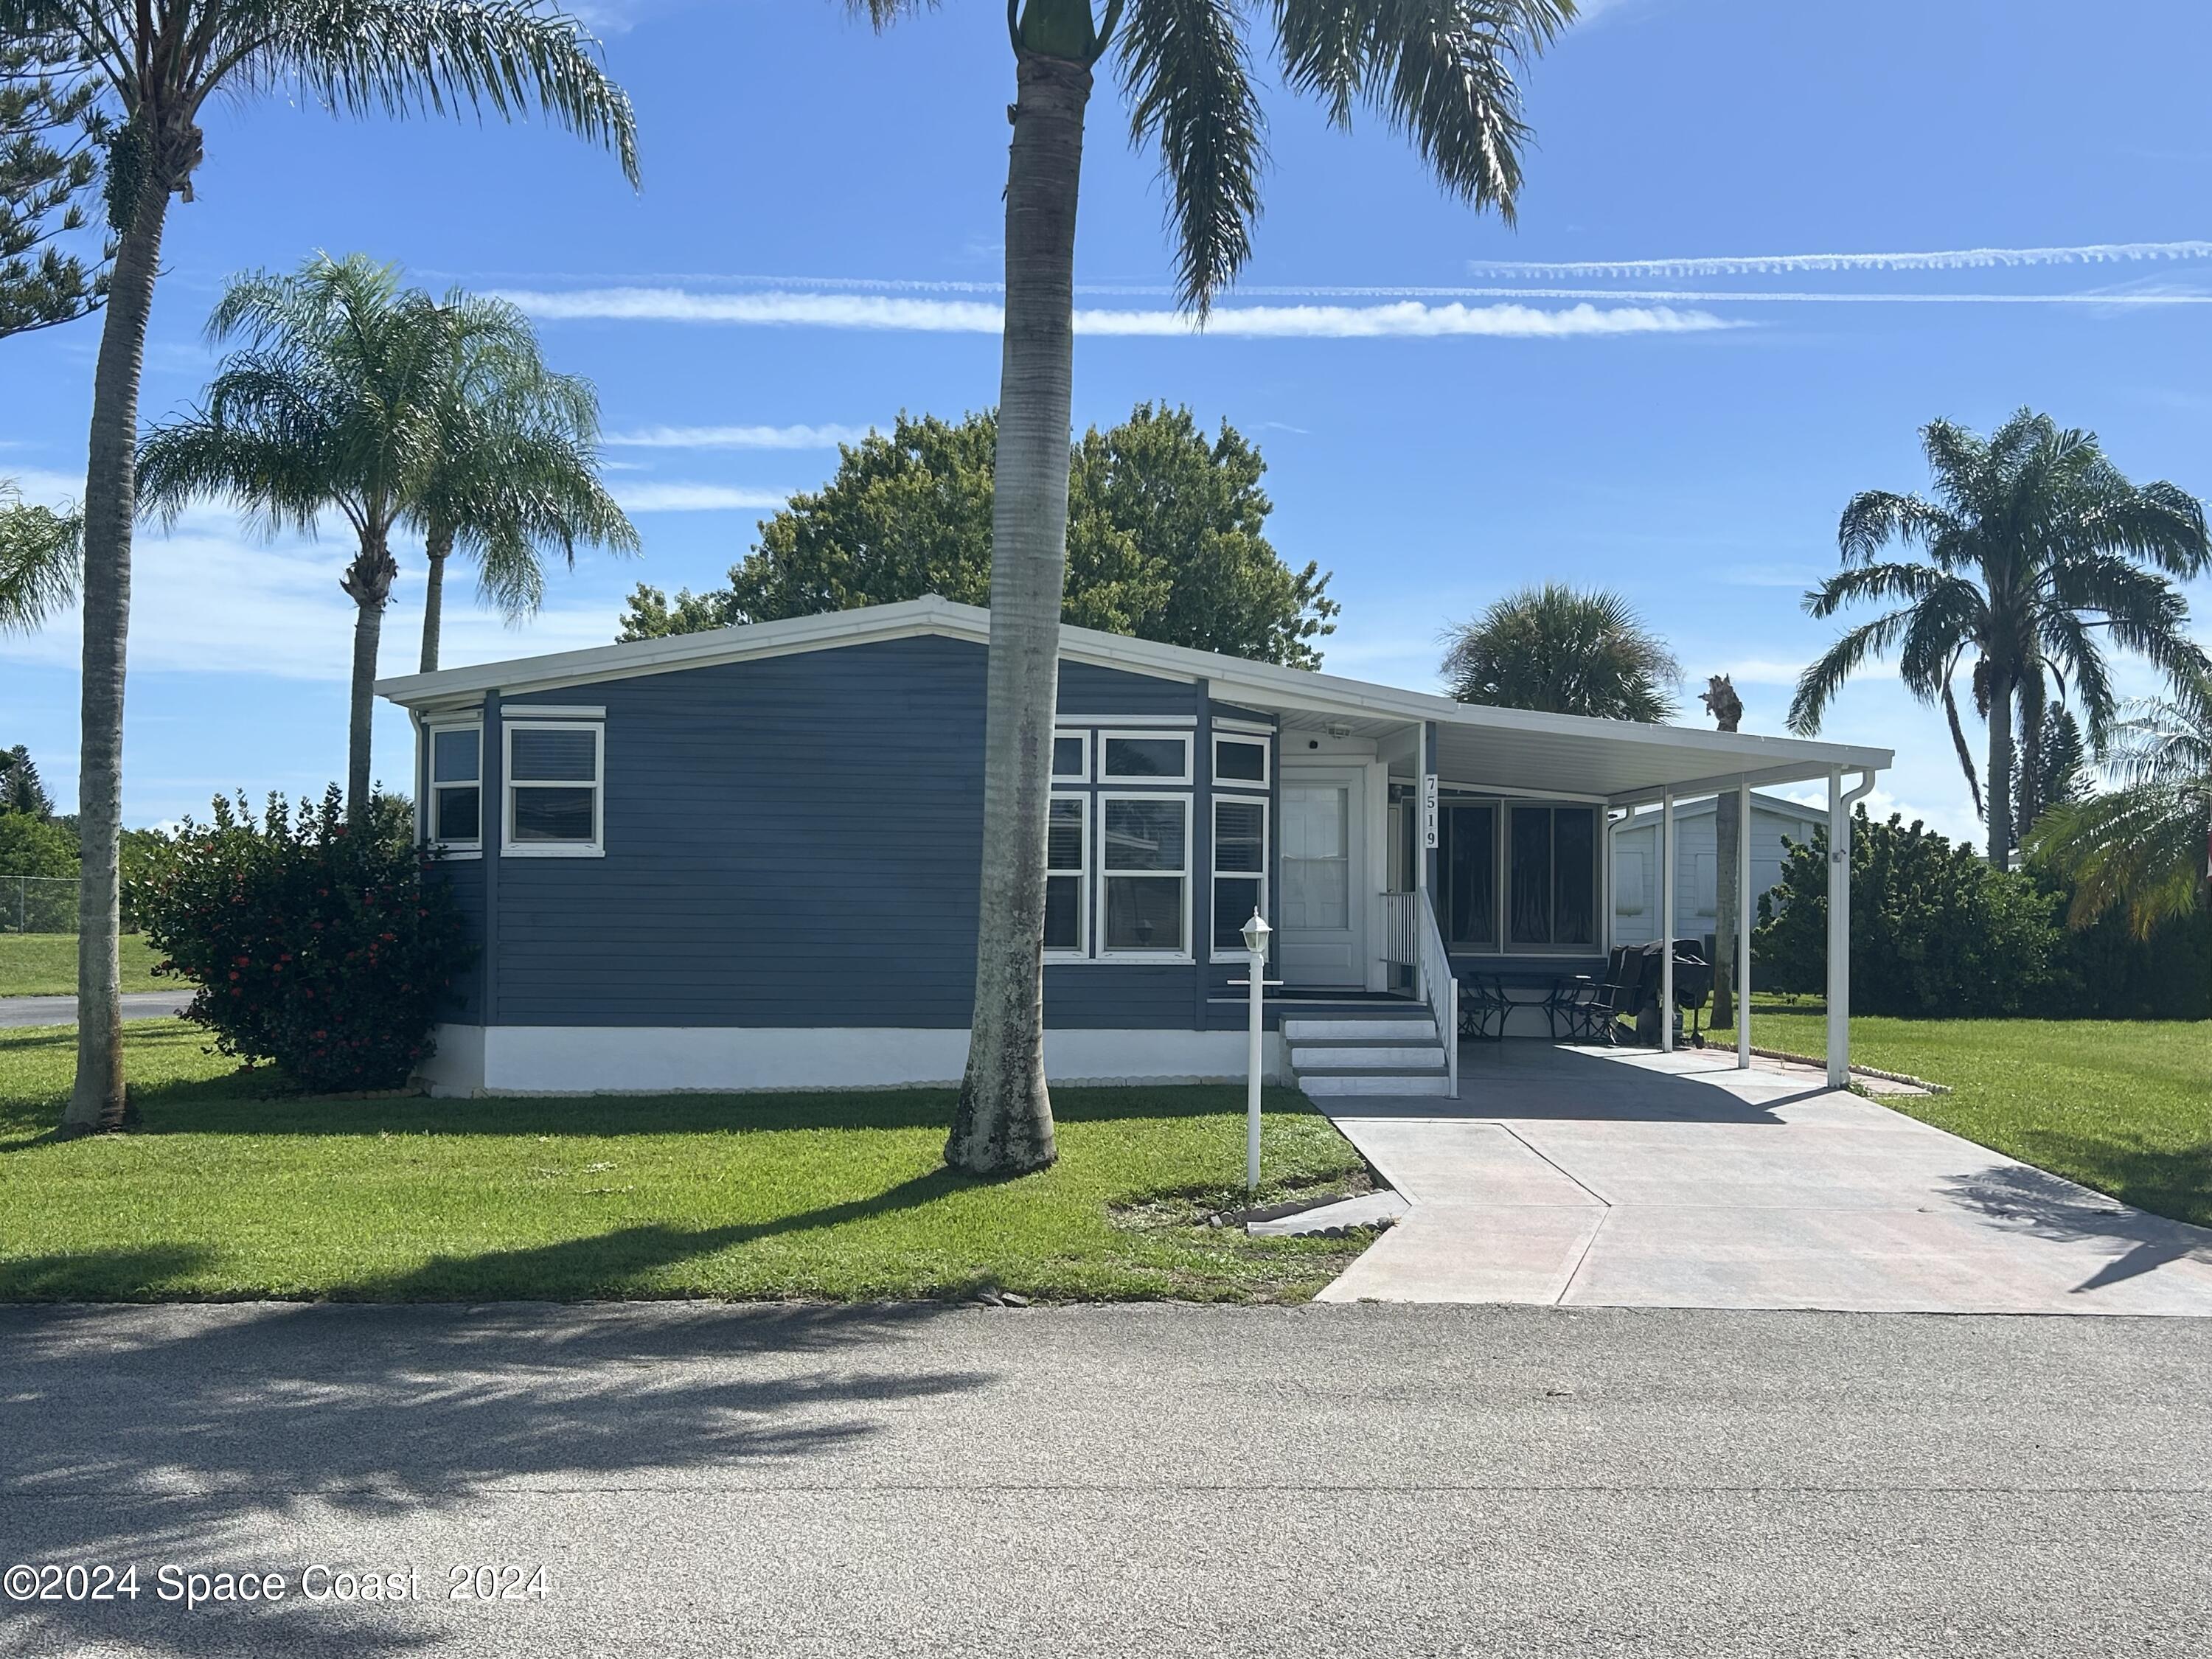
161,61
331,406
2038,551
1444,72
512,473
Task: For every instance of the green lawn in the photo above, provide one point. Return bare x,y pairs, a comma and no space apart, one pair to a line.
223,1190
2124,1106
44,965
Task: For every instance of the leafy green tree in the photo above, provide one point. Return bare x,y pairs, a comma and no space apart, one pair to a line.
2054,766
1442,72
1166,540
2144,847
1935,931
39,549
512,474
158,63
21,789
52,128
2038,550
1562,651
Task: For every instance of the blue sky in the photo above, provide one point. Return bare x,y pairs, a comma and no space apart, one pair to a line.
821,206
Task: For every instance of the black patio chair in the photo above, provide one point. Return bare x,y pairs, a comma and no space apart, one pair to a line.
1483,1006
1593,1010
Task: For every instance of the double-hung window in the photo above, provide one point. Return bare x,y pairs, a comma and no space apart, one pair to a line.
1240,866
1144,879
1067,893
555,794
454,818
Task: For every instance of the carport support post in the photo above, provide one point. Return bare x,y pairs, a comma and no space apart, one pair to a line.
1667,920
1839,931
1743,926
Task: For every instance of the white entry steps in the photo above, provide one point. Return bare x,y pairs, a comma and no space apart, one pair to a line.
1367,1053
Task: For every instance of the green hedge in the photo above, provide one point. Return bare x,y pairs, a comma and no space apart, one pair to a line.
1935,932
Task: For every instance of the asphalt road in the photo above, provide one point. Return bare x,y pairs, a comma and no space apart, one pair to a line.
1355,1480
62,1010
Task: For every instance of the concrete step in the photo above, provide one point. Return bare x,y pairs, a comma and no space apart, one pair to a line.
1369,1057
1395,1029
1376,1083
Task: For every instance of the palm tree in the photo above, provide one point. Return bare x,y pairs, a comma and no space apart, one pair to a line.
39,553
2146,845
1564,652
1442,72
160,62
513,471
2036,544
331,406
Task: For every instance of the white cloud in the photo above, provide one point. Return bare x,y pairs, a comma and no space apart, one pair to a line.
204,603
1766,264
736,437
694,497
1403,319
43,487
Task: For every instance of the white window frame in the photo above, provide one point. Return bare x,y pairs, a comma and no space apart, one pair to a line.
1219,875
595,848
1266,777
1083,875
1156,734
1104,952
1083,737
428,815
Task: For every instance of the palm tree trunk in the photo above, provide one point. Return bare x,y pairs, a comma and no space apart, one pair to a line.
439,548
2001,771
97,1100
1004,1119
367,581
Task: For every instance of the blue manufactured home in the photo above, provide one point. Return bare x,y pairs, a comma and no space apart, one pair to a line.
749,859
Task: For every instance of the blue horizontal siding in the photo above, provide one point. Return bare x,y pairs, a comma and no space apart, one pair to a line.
794,842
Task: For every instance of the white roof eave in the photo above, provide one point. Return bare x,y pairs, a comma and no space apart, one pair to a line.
1695,755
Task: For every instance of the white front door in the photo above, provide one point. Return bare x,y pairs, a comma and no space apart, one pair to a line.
1325,881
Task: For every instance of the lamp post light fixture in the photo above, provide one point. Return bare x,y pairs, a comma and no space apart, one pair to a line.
1255,934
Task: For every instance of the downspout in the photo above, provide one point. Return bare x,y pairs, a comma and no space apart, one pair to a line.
1840,803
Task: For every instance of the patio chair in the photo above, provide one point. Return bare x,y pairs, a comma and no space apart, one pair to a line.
1483,1005
1592,1011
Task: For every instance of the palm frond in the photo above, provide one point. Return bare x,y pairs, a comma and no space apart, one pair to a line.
1190,91
1817,686
41,553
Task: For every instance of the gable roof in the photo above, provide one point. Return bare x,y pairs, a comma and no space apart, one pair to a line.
1620,761
1647,817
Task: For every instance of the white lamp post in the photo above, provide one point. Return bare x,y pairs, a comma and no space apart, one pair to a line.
1255,944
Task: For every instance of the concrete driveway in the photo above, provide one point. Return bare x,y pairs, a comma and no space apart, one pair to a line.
1600,1177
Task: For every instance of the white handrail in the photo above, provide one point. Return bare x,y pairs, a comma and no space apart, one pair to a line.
1439,988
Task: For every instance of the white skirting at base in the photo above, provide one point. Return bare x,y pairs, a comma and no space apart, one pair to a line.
592,1060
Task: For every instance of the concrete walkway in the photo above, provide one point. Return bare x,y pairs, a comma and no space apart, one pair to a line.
1599,1177
62,1010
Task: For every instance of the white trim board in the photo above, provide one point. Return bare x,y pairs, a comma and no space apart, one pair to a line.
1692,752
626,1060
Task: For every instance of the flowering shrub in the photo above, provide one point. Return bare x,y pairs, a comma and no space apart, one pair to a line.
325,952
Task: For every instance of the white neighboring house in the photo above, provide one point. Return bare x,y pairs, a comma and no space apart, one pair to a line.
1636,863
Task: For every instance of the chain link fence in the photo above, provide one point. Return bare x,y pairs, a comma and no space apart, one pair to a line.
38,904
